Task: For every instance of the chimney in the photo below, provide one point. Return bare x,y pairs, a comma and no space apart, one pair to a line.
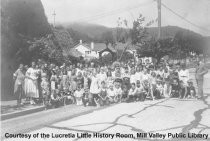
92,45
80,41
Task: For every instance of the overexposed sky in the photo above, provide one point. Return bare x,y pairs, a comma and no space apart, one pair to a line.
106,12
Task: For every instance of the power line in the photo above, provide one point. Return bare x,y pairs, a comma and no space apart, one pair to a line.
183,18
112,12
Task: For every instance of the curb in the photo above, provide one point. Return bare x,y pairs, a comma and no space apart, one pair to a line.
21,113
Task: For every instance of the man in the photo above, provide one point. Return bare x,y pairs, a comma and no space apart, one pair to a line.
201,70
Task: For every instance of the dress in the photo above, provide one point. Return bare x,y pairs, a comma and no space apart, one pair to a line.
19,82
31,84
94,87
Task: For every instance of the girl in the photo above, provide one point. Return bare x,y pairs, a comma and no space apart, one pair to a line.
78,95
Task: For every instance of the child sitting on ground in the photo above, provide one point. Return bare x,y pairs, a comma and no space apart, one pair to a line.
140,95
85,98
124,93
117,92
191,93
110,93
132,93
182,90
159,89
174,88
56,98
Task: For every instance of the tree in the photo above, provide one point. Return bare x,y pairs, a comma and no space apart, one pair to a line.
108,38
157,49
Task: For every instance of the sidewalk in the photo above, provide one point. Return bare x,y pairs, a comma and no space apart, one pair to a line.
9,109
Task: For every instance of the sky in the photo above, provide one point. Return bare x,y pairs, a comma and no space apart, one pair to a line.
107,12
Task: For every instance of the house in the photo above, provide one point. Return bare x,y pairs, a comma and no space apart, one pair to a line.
91,51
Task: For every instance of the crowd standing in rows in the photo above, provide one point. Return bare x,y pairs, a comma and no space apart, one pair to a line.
93,85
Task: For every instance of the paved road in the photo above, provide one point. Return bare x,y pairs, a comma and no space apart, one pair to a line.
160,116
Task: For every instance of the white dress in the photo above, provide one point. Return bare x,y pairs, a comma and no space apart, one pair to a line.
31,86
94,87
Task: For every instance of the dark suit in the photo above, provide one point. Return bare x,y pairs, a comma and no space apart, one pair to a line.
201,70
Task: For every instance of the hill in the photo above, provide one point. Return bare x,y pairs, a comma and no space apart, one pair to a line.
94,32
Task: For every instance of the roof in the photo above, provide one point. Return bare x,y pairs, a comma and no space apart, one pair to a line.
72,52
101,46
97,46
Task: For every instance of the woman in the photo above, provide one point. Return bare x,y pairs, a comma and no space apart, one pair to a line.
31,88
19,77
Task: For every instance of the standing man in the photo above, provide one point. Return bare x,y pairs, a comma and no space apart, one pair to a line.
201,70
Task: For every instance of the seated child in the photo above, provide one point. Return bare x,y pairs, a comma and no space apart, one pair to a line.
140,94
132,93
174,88
103,94
56,98
158,93
124,93
78,95
117,92
110,93
148,89
190,90
85,98
182,90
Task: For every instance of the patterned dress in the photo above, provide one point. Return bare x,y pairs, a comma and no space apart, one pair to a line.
31,84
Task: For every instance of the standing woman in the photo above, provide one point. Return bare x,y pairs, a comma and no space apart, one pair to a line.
201,70
31,88
19,77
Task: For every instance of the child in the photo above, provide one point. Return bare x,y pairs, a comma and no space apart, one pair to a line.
56,98
45,91
190,90
110,93
124,93
183,90
148,89
132,93
85,98
103,94
54,82
159,89
140,95
117,92
78,95
174,88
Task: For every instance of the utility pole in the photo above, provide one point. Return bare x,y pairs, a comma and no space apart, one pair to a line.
159,18
54,18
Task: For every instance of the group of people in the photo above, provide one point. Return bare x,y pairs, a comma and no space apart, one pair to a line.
89,84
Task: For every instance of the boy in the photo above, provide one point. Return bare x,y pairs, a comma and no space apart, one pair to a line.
110,93
85,98
140,94
132,93
174,88
117,92
190,90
